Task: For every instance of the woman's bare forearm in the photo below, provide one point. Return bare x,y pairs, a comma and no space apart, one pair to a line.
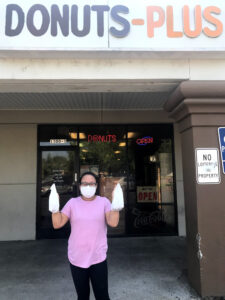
113,219
56,219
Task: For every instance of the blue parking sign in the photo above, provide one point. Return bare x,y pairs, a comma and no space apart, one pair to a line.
221,132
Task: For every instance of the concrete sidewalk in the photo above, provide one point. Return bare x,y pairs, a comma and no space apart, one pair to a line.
146,268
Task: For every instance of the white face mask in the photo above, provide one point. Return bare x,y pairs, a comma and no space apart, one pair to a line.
88,191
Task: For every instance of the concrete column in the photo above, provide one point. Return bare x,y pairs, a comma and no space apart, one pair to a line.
199,109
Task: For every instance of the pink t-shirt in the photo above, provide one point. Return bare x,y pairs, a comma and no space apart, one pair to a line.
87,244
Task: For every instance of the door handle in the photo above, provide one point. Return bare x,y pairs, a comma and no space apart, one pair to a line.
75,177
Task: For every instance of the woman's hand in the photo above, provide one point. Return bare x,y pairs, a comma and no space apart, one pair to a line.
53,200
58,219
113,216
117,198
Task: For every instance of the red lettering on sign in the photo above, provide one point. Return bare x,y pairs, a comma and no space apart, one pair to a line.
95,138
102,138
145,196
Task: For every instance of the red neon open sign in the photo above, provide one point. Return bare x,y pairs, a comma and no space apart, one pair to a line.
145,141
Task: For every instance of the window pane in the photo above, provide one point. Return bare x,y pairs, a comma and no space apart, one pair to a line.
103,151
58,136
166,171
152,220
150,179
57,167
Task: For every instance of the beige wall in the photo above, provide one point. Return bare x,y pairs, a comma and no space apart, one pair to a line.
109,75
18,161
83,117
92,70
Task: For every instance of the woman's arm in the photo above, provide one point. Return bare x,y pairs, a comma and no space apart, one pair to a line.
59,220
112,218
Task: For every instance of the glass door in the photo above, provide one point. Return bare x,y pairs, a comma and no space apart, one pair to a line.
103,151
152,209
59,166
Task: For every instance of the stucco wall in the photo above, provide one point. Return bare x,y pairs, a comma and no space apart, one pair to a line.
18,157
71,75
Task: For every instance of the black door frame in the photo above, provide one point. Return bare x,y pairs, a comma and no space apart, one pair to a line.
63,232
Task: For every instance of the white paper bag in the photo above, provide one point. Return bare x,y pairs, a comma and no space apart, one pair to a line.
53,199
117,201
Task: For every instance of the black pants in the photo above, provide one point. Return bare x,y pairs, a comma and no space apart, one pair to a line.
98,274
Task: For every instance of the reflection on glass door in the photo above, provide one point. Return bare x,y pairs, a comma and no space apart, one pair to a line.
103,151
56,167
151,182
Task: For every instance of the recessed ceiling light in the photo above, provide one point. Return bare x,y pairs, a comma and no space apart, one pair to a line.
122,144
73,135
82,136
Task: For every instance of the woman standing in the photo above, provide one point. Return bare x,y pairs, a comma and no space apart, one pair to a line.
89,215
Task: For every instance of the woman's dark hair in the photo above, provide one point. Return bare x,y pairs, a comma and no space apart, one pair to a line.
89,173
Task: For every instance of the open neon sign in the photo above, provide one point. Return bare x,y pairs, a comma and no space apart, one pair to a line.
145,141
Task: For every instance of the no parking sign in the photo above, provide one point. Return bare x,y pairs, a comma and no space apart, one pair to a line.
221,132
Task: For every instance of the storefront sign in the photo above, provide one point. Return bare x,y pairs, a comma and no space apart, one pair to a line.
144,141
146,194
98,25
207,166
221,132
102,138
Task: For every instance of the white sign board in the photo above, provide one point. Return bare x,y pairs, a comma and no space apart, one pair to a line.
146,194
112,25
207,166
58,141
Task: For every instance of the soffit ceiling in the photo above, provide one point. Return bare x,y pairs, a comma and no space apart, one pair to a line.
83,101
151,100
